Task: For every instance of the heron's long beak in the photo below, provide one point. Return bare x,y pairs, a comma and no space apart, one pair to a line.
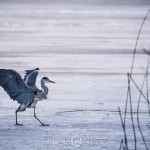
51,81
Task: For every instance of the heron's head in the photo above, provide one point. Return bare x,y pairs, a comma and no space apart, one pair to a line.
47,80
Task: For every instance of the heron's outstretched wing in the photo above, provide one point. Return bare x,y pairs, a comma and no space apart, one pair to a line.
30,77
13,84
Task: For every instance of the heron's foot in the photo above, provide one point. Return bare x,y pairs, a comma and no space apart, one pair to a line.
44,124
17,124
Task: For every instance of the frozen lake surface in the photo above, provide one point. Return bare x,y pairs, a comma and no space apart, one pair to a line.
86,48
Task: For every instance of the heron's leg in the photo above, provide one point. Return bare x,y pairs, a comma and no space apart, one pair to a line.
20,108
39,119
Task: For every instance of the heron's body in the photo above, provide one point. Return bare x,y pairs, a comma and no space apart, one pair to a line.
25,93
33,105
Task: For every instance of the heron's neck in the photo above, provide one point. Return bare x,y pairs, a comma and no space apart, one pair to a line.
45,88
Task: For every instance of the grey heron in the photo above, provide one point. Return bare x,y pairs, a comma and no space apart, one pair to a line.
13,84
30,79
